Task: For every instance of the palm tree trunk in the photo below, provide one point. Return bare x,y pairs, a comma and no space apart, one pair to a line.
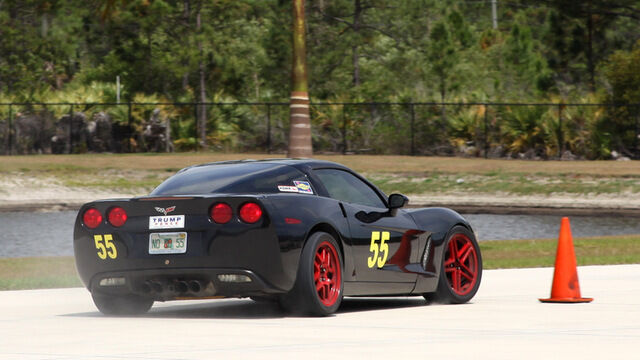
300,124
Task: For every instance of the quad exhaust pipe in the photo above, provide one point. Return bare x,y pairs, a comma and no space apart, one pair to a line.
176,287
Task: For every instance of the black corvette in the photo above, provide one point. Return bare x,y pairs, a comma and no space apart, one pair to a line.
304,233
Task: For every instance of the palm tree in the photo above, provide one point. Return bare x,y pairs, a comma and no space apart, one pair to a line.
300,123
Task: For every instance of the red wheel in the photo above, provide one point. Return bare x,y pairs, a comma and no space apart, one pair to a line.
326,274
318,286
461,264
461,268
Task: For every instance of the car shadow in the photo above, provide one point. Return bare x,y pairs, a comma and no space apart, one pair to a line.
212,309
350,305
249,309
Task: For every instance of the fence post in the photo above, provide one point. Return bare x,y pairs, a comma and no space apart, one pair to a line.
129,126
560,136
167,135
69,142
344,131
10,129
268,128
486,131
196,124
413,119
635,139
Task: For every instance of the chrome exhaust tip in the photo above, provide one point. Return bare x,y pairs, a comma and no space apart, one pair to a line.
195,286
181,286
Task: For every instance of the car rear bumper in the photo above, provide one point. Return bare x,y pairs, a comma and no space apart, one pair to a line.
258,254
184,283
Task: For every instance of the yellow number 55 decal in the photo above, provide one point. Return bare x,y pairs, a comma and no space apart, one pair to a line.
105,246
379,252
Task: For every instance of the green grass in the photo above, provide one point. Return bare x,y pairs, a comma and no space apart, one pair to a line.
58,272
116,181
38,273
608,250
498,182
405,174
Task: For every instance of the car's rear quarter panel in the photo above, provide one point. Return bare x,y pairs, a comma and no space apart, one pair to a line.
316,213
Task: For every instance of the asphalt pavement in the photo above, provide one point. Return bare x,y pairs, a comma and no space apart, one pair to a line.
504,321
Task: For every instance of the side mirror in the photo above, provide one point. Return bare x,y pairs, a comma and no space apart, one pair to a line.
396,201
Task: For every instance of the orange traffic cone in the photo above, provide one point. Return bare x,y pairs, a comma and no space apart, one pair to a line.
565,288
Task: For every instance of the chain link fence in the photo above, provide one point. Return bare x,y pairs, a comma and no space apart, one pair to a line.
492,130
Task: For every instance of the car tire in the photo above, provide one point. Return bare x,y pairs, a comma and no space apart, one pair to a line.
460,269
318,289
121,304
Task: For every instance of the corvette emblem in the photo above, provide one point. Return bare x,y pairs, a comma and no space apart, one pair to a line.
165,211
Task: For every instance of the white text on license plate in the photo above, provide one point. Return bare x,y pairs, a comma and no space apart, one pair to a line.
168,243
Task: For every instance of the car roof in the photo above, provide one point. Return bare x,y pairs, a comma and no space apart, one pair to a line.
304,165
300,163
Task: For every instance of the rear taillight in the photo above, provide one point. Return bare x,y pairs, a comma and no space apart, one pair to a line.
221,213
92,218
117,216
250,212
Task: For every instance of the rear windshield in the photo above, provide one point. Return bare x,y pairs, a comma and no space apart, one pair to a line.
237,178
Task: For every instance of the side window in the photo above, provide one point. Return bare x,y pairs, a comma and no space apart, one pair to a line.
344,186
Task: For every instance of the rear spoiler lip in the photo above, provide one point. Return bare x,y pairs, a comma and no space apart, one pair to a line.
192,197
158,198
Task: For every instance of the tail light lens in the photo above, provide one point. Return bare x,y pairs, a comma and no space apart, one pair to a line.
250,213
92,218
221,213
117,216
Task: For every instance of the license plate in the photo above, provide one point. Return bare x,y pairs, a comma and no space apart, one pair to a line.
168,243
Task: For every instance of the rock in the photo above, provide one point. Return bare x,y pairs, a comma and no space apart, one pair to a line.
528,155
74,125
495,152
33,133
568,156
155,133
469,150
99,131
